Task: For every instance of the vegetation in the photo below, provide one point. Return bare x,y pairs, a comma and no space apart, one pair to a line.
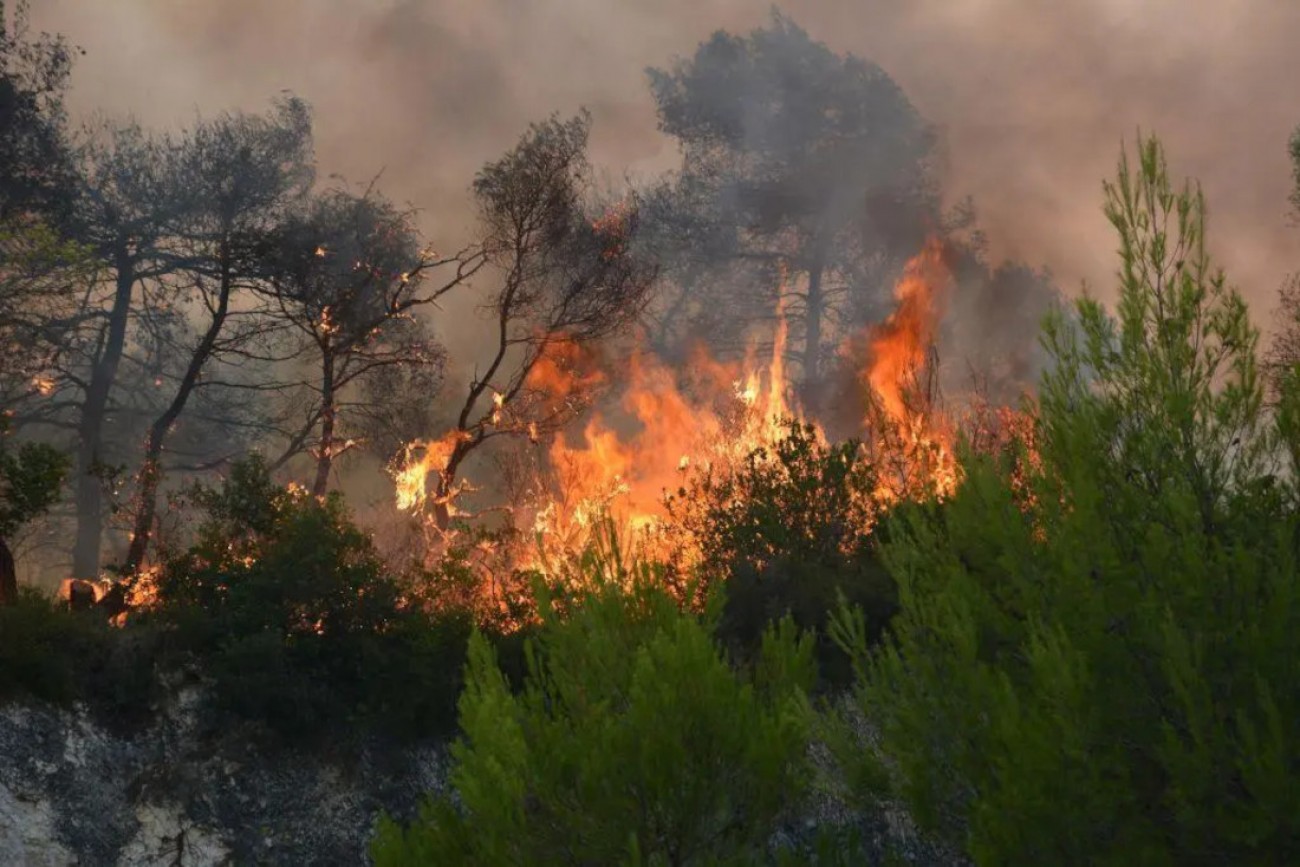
788,532
1080,648
282,607
288,608
29,485
1093,667
632,741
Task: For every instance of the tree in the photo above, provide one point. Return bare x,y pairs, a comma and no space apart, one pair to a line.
123,206
1092,659
234,179
29,485
569,272
799,164
632,741
35,170
787,532
350,278
289,609
1284,349
41,311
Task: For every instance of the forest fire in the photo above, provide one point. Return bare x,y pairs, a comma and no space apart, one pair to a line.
911,437
711,418
708,416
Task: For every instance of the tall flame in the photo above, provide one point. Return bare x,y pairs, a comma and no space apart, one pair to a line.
911,435
711,414
900,344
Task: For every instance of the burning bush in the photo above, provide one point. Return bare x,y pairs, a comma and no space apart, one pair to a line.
787,532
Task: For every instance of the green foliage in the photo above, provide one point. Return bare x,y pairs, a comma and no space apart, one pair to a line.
50,653
287,606
633,741
1098,666
29,483
789,531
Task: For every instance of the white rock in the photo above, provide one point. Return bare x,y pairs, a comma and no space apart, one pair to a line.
166,833
27,833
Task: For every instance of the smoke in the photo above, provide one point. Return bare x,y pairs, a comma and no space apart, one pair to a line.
1032,100
1031,103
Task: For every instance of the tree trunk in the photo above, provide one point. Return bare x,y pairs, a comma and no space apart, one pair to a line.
89,487
447,482
151,469
815,312
325,449
8,576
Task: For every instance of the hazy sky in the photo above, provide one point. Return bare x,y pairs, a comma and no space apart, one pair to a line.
1032,99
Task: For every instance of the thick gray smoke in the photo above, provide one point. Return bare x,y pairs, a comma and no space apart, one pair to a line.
1032,99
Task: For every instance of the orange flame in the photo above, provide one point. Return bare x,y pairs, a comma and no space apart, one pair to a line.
910,434
899,345
707,415
420,461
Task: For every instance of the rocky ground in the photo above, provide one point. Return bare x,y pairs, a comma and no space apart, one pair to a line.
182,792
74,792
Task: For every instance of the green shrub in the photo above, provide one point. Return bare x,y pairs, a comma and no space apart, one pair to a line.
788,532
43,649
633,741
50,653
29,485
287,606
1095,663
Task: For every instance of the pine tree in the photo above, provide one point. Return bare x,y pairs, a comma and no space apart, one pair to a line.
1094,659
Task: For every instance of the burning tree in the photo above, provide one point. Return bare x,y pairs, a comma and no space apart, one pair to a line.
794,159
349,278
569,273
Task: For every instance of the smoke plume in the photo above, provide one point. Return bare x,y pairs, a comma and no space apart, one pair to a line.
1032,101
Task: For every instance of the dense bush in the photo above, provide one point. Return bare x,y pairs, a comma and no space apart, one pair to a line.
29,484
788,532
50,653
1094,661
287,606
633,741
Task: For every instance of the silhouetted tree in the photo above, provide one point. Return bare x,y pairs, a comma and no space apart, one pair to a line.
35,171
568,273
233,180
800,165
123,207
350,278
29,484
